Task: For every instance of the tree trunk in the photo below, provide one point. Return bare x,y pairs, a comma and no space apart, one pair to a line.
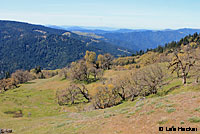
4,88
133,97
197,80
153,90
184,79
84,92
72,99
86,97
178,74
95,77
122,96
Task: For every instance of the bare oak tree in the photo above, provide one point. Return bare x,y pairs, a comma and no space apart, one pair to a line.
104,61
72,94
105,97
142,82
78,70
183,61
151,78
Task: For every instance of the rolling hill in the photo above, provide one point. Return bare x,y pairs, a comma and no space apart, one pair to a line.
42,114
25,46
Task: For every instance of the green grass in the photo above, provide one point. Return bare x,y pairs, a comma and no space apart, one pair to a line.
126,105
131,113
194,96
162,122
150,112
37,101
153,102
197,109
138,109
60,125
124,111
176,87
159,105
194,119
108,115
170,105
140,105
42,114
170,110
182,122
30,101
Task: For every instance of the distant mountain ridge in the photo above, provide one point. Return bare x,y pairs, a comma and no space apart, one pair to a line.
136,39
96,30
146,39
25,46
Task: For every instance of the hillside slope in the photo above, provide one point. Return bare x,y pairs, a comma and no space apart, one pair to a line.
41,113
146,39
25,46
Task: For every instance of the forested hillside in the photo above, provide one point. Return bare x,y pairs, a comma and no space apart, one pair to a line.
137,39
25,46
146,39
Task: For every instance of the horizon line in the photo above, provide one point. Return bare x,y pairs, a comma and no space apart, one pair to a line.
98,27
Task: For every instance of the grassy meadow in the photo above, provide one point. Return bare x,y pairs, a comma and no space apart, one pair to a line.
32,108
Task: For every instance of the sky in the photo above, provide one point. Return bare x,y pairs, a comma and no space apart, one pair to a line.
134,14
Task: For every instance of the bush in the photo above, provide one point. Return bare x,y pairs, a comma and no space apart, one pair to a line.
18,77
123,61
150,79
83,71
72,94
6,84
194,119
21,76
64,72
78,71
144,81
105,97
104,61
49,73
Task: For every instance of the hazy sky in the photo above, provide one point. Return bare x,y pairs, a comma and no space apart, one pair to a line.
147,14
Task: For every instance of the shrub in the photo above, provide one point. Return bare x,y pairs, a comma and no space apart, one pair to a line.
123,61
194,119
21,76
104,61
6,84
72,94
150,79
78,71
64,72
49,73
105,97
170,110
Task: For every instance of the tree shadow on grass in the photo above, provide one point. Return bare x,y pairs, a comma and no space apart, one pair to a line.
29,82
